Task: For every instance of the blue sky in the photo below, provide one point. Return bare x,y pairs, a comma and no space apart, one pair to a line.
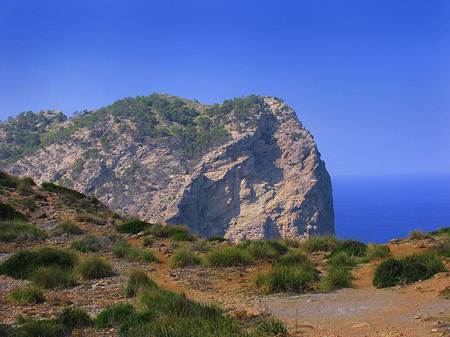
369,79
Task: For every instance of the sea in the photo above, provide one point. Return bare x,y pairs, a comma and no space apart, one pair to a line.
378,209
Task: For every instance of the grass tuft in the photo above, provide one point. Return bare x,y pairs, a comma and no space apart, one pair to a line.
94,268
184,257
53,277
137,280
26,295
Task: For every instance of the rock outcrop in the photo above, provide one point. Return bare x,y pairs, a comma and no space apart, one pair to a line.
264,179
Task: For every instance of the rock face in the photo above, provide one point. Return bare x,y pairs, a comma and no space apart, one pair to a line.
265,179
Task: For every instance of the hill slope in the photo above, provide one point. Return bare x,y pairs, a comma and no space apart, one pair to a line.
244,169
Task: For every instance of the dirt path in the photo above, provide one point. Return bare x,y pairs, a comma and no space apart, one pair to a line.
365,311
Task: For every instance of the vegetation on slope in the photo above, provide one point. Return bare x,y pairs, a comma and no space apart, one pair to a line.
196,127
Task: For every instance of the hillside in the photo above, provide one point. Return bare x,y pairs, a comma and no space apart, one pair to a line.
246,168
318,287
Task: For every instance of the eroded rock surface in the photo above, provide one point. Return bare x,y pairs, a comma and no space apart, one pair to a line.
264,180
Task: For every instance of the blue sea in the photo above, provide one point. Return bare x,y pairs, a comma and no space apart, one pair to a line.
378,209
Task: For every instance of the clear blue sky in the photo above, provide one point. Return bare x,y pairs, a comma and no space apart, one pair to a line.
370,79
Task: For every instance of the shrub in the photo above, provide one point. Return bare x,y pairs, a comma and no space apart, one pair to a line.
290,242
43,328
416,235
121,313
294,258
341,258
263,249
53,277
179,235
27,181
67,226
445,293
440,232
375,252
94,268
336,276
184,257
67,192
217,238
21,264
132,227
148,241
409,269
74,318
320,243
12,230
30,294
272,327
90,218
227,257
296,279
7,212
89,243
8,180
352,247
148,255
137,279
123,249
9,331
202,245
159,230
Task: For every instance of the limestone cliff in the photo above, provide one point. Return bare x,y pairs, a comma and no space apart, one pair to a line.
257,175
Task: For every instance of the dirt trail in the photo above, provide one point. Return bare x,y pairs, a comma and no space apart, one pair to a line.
412,311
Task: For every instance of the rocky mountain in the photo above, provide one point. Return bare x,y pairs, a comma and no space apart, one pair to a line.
245,169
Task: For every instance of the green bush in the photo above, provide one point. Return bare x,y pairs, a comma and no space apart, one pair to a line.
9,331
52,277
43,328
227,257
352,247
132,227
294,258
179,235
272,327
148,255
94,268
74,318
20,231
282,278
341,258
217,238
121,313
376,252
89,243
137,279
7,212
263,249
67,192
21,264
336,276
123,249
320,243
440,232
8,180
30,294
68,227
291,242
184,257
409,269
159,230
90,218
